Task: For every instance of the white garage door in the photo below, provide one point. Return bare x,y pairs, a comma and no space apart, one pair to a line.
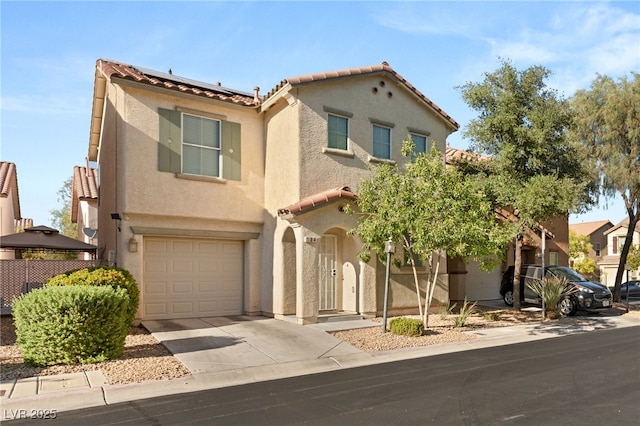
482,285
186,278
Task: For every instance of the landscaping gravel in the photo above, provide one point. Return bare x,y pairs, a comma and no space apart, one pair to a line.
144,358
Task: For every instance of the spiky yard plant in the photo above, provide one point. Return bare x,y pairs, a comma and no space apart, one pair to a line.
552,291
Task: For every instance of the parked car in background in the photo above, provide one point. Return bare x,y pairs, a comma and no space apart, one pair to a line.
588,295
632,288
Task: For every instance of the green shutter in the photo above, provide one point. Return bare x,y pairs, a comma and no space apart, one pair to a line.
231,154
169,145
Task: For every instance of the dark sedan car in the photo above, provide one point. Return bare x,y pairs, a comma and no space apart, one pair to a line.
588,296
633,289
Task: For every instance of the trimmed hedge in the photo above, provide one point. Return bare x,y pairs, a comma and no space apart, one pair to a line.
101,276
412,327
71,324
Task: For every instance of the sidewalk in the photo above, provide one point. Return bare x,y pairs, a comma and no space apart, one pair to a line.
81,390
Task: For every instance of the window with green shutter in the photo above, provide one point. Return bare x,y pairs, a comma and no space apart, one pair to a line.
201,146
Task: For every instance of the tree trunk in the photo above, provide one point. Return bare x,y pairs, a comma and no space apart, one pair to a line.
517,266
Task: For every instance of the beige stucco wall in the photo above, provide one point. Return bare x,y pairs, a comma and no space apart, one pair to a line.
298,166
147,198
7,222
323,170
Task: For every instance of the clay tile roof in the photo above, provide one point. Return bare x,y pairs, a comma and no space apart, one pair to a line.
588,228
85,182
84,186
382,68
317,200
172,82
8,182
453,154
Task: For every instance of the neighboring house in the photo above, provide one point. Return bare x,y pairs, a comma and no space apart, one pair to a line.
595,231
470,281
608,265
9,203
222,202
84,204
22,224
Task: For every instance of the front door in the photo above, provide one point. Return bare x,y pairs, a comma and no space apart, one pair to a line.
327,273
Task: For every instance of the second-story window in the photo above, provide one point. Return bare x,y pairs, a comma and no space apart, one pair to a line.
598,249
381,142
338,130
201,146
420,142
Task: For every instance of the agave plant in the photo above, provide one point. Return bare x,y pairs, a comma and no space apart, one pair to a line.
552,291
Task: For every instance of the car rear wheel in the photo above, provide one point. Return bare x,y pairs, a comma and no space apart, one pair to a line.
508,297
568,306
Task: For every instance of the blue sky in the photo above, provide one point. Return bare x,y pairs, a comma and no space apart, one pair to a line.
49,50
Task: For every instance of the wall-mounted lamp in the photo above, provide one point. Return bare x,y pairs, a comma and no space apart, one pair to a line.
133,244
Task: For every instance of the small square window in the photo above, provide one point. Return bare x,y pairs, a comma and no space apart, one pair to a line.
381,142
420,143
553,258
338,130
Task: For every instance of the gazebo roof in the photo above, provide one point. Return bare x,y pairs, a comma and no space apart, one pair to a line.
44,238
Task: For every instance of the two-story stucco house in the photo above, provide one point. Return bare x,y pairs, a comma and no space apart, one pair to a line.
9,203
595,231
84,204
608,265
224,202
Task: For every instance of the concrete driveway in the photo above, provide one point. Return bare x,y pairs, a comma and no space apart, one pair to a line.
214,344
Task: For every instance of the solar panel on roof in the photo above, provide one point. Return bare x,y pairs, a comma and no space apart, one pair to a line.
212,87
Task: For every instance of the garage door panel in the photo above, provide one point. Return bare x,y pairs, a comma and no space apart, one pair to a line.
156,288
208,248
190,278
156,309
185,265
182,247
155,246
156,266
208,267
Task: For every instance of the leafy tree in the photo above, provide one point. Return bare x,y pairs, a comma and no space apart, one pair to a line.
430,210
535,170
633,259
61,218
607,122
579,249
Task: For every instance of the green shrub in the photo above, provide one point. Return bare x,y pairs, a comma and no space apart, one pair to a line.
101,276
71,324
465,312
406,326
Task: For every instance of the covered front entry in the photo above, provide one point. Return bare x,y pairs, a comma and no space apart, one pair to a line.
317,273
190,277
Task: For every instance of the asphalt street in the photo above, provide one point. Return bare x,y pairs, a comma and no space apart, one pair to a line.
584,379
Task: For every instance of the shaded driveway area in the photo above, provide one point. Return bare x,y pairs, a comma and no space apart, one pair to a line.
215,344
